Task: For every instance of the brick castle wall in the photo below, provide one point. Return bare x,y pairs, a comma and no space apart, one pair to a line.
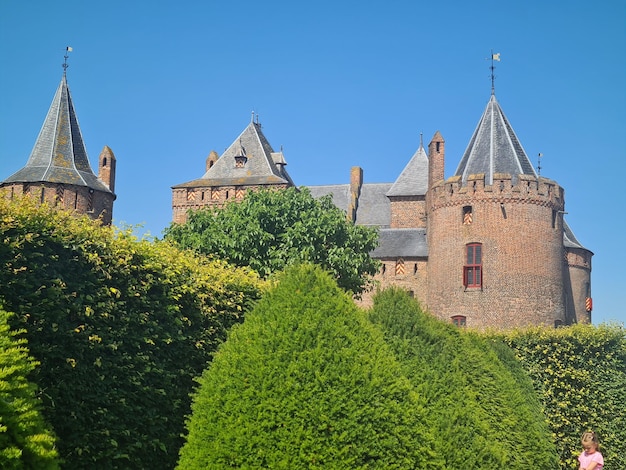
521,232
81,199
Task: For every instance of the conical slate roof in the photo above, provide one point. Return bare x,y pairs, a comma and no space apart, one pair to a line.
494,148
59,154
413,181
250,160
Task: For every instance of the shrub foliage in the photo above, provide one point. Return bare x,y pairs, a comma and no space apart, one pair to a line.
306,382
25,440
580,374
482,407
121,327
269,230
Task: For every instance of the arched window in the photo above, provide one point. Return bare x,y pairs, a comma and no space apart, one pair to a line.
459,320
473,268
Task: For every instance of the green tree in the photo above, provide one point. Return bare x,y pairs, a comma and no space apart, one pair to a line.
121,328
482,406
269,230
26,442
580,374
306,382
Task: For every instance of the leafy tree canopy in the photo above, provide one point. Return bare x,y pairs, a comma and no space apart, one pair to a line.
269,230
121,328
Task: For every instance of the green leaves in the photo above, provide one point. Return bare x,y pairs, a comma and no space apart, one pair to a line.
25,440
481,405
580,375
270,230
306,382
120,325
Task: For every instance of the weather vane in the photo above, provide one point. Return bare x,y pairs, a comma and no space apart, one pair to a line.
68,49
493,68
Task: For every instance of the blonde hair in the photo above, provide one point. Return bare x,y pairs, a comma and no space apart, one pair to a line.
590,437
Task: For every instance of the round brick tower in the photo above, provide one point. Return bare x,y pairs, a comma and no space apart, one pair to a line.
495,236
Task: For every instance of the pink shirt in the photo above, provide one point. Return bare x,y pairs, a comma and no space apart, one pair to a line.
585,459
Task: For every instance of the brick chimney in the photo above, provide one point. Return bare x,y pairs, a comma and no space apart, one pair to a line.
436,159
356,181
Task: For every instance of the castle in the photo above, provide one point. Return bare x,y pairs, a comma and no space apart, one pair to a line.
486,247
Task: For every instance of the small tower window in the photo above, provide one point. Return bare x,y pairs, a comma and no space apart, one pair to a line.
473,268
240,161
459,320
468,216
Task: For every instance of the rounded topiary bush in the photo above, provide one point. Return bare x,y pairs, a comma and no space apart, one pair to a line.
306,382
482,406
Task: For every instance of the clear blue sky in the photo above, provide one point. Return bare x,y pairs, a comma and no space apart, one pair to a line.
336,84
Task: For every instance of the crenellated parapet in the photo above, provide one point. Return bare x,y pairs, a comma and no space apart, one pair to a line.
527,190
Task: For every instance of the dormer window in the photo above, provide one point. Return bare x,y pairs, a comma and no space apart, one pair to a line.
240,161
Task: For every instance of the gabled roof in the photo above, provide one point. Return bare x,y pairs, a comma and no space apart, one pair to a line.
494,148
258,163
59,154
413,181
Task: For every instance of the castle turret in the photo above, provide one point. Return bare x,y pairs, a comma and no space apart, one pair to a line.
58,170
496,236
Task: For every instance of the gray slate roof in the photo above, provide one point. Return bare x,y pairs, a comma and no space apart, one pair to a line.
262,165
413,181
494,148
569,239
374,208
59,154
401,242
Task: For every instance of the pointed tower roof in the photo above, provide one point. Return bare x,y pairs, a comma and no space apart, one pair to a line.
494,148
413,181
59,154
250,160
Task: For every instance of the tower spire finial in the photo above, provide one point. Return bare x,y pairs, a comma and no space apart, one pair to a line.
493,68
68,49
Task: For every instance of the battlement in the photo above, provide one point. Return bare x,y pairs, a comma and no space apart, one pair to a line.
527,189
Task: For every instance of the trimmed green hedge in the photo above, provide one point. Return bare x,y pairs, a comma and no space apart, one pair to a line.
580,375
121,328
482,406
307,382
26,441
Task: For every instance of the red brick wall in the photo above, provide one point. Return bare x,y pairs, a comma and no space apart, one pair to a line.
522,252
193,198
96,204
408,212
413,279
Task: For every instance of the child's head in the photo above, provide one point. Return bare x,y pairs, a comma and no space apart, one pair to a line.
590,442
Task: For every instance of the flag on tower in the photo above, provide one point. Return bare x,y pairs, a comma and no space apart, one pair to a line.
496,56
69,49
